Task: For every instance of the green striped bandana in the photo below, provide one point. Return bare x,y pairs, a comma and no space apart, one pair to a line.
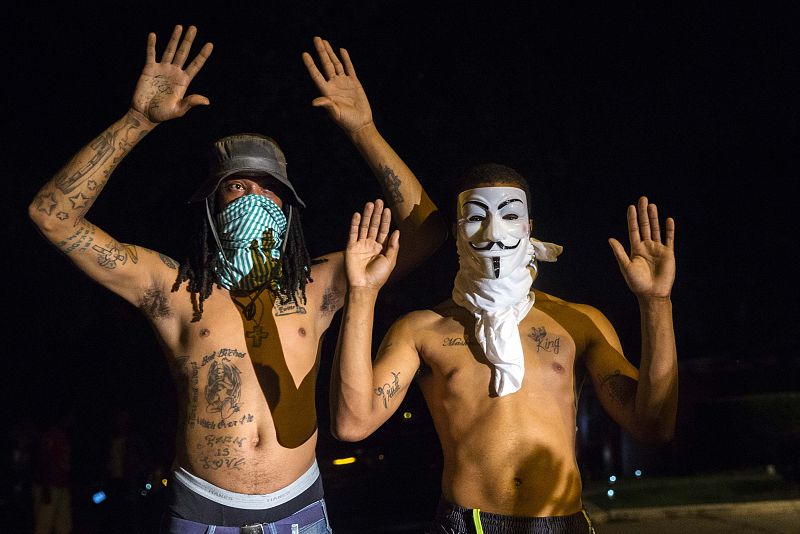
251,230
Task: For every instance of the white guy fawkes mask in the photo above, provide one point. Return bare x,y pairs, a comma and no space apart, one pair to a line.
493,231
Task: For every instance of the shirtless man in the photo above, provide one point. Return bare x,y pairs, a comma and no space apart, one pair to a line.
242,335
497,363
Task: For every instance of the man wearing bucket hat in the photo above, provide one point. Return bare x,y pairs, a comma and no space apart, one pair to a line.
241,319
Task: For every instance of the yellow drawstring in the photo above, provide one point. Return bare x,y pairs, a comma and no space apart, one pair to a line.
476,517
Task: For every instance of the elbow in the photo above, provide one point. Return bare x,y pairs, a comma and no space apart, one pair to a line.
350,431
46,224
654,434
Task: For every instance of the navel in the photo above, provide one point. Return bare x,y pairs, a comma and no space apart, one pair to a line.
205,332
517,482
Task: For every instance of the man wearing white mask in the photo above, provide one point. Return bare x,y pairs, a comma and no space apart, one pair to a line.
497,363
241,320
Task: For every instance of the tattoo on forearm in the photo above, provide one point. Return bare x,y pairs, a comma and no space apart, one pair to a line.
388,391
102,148
392,184
621,388
543,342
154,303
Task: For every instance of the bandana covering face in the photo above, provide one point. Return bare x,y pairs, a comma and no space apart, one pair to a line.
251,230
494,280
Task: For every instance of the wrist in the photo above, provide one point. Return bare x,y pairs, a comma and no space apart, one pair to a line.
654,303
357,293
146,123
363,133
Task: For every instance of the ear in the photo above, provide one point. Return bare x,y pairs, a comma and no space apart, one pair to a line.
530,226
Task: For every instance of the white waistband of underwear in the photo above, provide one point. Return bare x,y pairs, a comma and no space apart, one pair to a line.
243,500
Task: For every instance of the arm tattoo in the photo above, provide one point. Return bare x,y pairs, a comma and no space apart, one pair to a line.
392,184
621,388
102,147
81,238
387,391
169,262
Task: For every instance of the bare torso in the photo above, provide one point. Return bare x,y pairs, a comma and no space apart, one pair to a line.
512,455
245,376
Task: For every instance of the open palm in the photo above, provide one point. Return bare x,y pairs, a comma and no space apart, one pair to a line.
649,271
160,90
342,93
369,257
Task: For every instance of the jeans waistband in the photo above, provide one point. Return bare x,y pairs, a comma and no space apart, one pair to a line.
307,516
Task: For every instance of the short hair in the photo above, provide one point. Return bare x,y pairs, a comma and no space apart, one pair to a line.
493,174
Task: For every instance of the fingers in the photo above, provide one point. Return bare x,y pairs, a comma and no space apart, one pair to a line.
349,69
373,224
670,235
150,55
354,224
393,247
200,60
643,224
337,65
313,71
385,222
633,226
169,52
619,252
644,221
322,51
363,229
185,46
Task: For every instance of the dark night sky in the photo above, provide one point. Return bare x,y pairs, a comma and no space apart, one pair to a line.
695,107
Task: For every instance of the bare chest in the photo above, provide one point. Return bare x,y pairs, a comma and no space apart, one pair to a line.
453,355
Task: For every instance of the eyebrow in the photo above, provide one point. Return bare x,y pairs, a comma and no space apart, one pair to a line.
477,203
507,202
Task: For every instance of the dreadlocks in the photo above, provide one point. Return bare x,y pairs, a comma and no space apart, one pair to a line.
202,262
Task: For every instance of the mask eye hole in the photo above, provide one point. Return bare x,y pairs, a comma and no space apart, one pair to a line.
511,217
476,218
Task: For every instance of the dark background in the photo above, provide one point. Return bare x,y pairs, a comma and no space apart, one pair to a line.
694,107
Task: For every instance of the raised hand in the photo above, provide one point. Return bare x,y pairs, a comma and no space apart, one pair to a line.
369,257
650,269
159,93
342,94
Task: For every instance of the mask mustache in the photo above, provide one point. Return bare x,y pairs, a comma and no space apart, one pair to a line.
499,244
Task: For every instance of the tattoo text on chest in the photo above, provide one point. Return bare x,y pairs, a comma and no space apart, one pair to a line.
457,341
387,391
544,343
289,309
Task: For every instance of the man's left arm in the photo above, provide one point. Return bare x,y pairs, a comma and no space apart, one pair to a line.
421,226
644,402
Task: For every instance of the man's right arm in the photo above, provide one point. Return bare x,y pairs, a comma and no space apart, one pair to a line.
365,394
59,208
